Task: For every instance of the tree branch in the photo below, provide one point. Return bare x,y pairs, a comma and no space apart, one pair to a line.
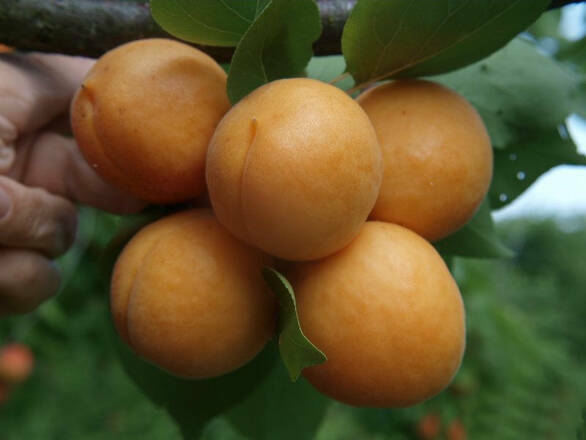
92,27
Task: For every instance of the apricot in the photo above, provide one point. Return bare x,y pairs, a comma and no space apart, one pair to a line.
144,116
388,315
429,427
190,298
16,363
437,156
294,168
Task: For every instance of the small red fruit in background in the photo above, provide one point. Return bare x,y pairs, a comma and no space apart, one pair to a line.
456,431
429,426
16,363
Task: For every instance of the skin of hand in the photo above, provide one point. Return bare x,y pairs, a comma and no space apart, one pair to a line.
42,176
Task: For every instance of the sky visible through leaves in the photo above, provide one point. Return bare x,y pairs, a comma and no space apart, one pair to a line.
561,192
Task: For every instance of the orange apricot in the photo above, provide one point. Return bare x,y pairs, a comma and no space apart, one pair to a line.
388,315
190,298
294,168
144,115
437,156
16,363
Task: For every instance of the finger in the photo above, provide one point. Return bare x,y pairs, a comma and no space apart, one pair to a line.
26,280
54,162
35,88
31,218
8,135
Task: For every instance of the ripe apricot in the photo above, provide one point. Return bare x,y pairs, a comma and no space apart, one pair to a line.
16,363
190,298
294,168
144,115
429,427
437,156
456,431
388,315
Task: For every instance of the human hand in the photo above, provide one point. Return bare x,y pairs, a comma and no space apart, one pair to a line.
42,175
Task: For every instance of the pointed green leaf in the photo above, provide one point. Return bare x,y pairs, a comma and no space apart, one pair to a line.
519,92
477,239
575,53
384,38
517,167
211,22
524,98
277,45
296,350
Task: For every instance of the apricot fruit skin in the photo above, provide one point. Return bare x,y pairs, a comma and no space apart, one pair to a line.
16,363
437,156
145,114
387,314
294,168
190,298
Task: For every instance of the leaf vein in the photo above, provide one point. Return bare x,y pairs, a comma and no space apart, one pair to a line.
440,26
386,46
205,25
232,9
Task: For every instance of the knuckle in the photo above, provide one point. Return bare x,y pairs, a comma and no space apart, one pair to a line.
53,228
25,272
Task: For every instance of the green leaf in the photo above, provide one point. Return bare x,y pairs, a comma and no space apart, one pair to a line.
280,409
296,350
517,167
277,45
524,98
211,22
574,52
548,25
519,92
328,69
192,403
384,38
477,239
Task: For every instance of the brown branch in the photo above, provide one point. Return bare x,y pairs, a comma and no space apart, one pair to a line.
91,27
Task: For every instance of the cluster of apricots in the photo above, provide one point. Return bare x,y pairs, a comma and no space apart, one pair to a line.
346,192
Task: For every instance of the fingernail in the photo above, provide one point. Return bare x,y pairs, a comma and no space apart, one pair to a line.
5,203
6,157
